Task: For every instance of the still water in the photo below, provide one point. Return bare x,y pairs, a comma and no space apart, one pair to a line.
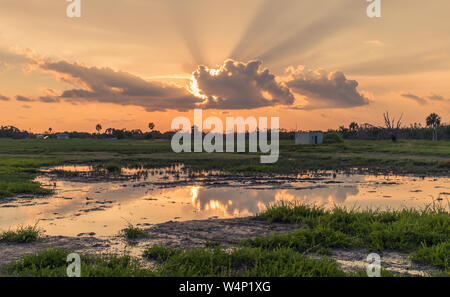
85,204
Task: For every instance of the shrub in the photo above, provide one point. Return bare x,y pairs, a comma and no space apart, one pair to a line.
332,137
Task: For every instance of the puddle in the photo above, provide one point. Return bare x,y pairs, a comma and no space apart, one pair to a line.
88,204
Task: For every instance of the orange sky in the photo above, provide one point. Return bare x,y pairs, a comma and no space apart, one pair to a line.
124,64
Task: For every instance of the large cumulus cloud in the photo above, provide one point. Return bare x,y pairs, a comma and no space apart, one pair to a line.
237,85
325,89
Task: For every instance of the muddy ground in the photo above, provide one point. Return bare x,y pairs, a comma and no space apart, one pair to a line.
192,234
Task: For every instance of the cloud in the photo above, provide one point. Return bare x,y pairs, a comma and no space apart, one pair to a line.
9,57
49,99
3,98
435,97
234,85
416,98
325,89
109,86
23,98
237,85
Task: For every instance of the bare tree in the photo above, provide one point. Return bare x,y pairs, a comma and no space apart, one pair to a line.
392,125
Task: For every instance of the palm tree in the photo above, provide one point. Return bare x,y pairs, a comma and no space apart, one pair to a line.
151,126
434,121
353,126
98,128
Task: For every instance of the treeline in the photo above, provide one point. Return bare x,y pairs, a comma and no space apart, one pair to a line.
414,131
110,133
353,131
13,132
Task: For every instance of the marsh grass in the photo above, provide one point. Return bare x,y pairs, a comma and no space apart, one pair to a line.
16,175
23,234
241,262
406,230
52,263
437,255
132,232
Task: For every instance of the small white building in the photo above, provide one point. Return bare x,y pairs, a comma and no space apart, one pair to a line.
309,137
62,136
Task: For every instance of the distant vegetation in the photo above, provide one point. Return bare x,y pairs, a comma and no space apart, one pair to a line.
332,137
433,129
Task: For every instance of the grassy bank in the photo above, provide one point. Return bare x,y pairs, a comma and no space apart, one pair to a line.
422,232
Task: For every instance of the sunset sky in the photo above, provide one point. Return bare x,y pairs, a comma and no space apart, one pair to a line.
315,64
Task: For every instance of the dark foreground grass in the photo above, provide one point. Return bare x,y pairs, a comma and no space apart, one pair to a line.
438,255
52,263
23,234
243,262
406,230
216,262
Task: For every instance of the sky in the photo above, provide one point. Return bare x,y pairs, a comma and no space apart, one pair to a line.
316,65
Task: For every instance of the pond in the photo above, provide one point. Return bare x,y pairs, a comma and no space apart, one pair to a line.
85,202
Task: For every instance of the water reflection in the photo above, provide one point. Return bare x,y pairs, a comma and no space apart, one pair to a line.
104,207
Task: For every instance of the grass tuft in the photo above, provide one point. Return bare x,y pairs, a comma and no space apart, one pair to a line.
132,232
22,234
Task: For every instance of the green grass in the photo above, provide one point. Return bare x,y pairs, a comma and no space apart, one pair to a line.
132,232
437,255
52,263
22,234
405,230
402,156
243,262
16,175
170,262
